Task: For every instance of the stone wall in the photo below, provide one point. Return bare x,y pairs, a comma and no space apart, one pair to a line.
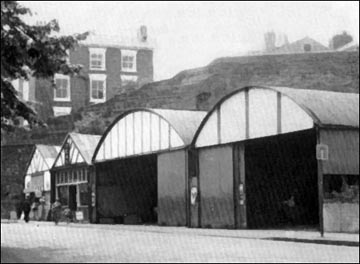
14,160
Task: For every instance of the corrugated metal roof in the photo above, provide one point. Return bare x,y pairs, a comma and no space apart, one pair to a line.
325,107
49,153
184,122
86,144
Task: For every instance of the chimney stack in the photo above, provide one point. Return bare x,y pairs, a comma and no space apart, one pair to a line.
143,33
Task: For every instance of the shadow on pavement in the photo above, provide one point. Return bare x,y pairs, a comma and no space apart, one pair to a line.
316,241
21,255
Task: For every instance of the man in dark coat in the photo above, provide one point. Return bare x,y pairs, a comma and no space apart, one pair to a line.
26,209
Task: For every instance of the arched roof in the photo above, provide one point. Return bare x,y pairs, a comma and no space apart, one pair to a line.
325,108
42,158
82,147
181,124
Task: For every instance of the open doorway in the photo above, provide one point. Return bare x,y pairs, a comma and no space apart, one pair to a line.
72,197
127,190
281,181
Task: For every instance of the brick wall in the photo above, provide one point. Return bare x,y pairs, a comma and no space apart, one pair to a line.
80,85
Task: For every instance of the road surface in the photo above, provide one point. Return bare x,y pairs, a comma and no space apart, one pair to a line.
35,242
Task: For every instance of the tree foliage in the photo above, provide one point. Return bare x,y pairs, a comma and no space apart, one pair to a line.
29,50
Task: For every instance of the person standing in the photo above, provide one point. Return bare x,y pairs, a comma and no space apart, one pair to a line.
26,209
56,211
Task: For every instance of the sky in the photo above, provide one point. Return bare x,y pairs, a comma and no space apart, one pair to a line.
192,34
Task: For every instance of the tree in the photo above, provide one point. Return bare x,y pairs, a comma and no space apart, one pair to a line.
29,50
340,40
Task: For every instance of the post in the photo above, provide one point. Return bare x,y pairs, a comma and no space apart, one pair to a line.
320,186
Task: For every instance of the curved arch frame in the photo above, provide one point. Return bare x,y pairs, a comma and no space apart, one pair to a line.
121,116
247,88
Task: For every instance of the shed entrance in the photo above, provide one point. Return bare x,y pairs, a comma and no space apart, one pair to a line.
281,181
127,190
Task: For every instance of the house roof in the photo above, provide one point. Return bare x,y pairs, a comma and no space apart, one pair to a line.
184,122
325,107
297,46
125,41
49,153
351,46
86,144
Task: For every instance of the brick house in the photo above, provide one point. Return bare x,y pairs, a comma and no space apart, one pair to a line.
109,64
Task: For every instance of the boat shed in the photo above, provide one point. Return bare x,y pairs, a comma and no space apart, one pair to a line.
37,179
71,174
141,165
275,156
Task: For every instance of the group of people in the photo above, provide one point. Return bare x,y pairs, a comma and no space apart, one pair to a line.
55,210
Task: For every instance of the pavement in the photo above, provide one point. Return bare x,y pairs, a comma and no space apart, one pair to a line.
301,236
44,242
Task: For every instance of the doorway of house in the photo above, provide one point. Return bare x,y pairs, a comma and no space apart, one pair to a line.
72,198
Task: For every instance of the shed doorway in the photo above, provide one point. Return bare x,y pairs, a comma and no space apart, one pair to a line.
127,190
281,181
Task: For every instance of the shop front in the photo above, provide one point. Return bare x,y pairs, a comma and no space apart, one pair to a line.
71,173
37,181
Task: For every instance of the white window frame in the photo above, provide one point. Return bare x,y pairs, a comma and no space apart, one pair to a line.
98,51
63,99
97,77
130,53
62,109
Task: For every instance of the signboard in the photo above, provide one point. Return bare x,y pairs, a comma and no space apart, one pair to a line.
79,215
47,186
322,152
193,195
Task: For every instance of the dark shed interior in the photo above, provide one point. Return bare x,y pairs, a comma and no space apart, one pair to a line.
127,190
277,168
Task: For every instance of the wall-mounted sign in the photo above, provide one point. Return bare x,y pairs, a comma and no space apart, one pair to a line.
93,199
322,152
47,186
193,195
79,215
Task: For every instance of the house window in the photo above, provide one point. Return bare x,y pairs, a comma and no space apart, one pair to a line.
67,153
97,59
97,88
62,91
128,60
